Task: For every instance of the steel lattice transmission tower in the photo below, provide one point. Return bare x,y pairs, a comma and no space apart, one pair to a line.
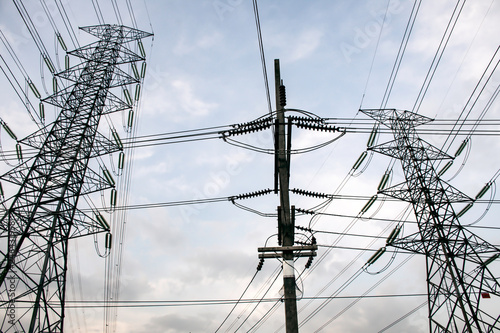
456,259
43,215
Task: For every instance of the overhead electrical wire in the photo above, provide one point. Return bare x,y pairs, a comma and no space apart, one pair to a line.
201,302
466,53
262,55
116,9
269,281
11,77
114,265
131,13
385,277
258,303
34,34
469,128
67,23
98,12
374,53
484,79
406,315
439,54
401,51
237,302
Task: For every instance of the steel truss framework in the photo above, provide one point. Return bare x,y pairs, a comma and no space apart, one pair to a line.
456,259
43,215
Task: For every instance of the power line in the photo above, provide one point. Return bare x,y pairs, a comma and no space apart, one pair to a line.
262,56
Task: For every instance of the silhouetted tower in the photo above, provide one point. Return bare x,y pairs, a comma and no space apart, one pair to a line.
457,260
43,215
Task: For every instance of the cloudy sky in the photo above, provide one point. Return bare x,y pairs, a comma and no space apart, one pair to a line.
204,70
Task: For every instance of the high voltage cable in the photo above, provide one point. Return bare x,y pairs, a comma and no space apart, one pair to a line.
33,31
270,280
259,301
67,23
406,315
238,302
169,303
392,220
401,51
364,294
185,135
98,12
269,313
231,198
163,139
262,56
439,54
463,121
374,54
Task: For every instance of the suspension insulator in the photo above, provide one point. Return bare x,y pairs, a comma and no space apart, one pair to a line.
384,180
66,62
54,85
34,89
445,168
121,160
309,262
114,196
141,49
376,256
261,263
49,64
137,92
108,176
464,210
9,131
128,98
368,204
360,160
393,235
108,240
130,120
135,71
19,152
305,211
102,221
282,91
61,42
309,193
117,138
41,109
143,70
462,147
373,136
483,190
1,190
254,194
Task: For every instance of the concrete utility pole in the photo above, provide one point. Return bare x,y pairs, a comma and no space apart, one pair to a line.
287,225
286,213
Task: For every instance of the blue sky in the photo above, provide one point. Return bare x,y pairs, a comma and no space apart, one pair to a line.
204,70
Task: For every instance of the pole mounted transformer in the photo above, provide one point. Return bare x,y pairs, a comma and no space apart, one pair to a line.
457,260
38,221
